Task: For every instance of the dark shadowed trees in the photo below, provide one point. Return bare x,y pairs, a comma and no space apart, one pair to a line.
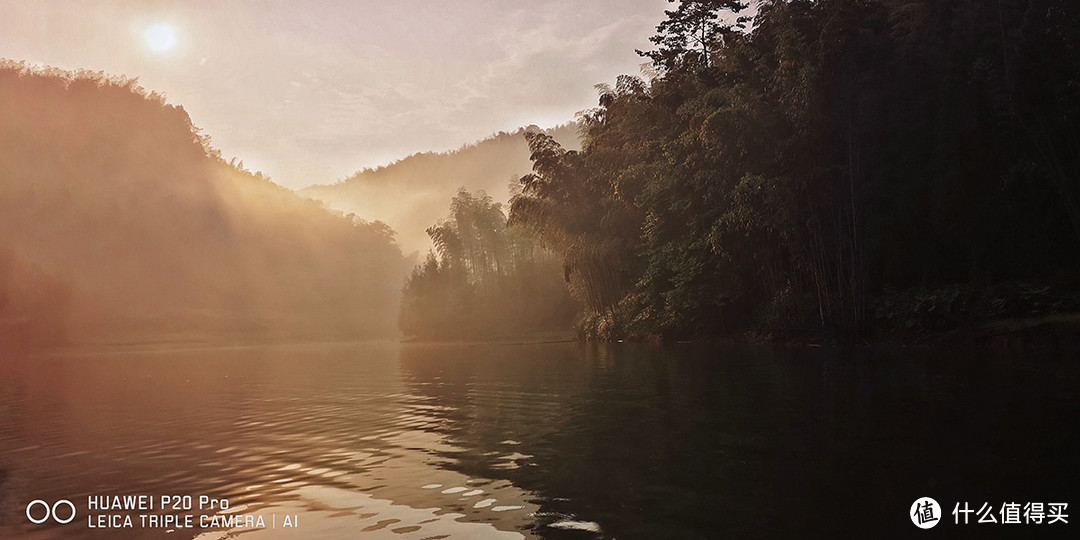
789,177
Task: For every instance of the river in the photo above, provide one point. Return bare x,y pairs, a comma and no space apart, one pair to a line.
577,441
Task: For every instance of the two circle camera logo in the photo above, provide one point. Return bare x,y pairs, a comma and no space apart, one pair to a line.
50,511
925,513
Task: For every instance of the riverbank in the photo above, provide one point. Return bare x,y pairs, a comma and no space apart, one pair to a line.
1058,331
1013,315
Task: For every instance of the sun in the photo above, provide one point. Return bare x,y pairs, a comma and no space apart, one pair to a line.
160,37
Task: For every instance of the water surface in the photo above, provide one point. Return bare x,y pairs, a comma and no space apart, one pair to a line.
381,440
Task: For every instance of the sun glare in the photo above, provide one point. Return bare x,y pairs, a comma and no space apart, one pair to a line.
160,37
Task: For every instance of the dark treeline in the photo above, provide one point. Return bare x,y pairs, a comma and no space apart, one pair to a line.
119,223
837,167
485,279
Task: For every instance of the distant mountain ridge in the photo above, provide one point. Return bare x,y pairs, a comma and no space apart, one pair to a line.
411,194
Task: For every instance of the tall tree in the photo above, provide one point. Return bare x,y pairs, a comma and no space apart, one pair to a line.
488,279
691,31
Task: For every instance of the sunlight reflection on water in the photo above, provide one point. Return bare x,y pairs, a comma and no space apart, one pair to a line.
327,434
556,441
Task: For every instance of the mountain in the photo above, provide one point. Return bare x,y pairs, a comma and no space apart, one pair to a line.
119,223
412,193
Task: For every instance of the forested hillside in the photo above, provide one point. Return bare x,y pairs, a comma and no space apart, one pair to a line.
119,222
829,169
410,193
835,167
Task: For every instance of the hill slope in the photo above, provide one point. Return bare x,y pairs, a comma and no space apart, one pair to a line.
120,223
412,193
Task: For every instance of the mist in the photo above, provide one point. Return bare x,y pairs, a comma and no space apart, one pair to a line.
121,223
411,193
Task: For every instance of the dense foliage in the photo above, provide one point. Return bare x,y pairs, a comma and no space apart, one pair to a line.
485,279
793,176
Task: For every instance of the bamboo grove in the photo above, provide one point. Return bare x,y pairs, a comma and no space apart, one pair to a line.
828,168
484,278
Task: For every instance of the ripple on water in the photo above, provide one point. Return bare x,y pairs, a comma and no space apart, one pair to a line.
570,524
340,466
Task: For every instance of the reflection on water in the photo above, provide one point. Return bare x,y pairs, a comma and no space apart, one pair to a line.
523,441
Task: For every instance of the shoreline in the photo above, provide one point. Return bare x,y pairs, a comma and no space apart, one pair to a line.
1056,332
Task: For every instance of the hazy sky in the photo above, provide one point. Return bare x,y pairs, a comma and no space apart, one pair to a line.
309,92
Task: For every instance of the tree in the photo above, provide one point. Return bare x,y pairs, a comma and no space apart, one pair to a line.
691,31
485,278
788,179
568,206
473,237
